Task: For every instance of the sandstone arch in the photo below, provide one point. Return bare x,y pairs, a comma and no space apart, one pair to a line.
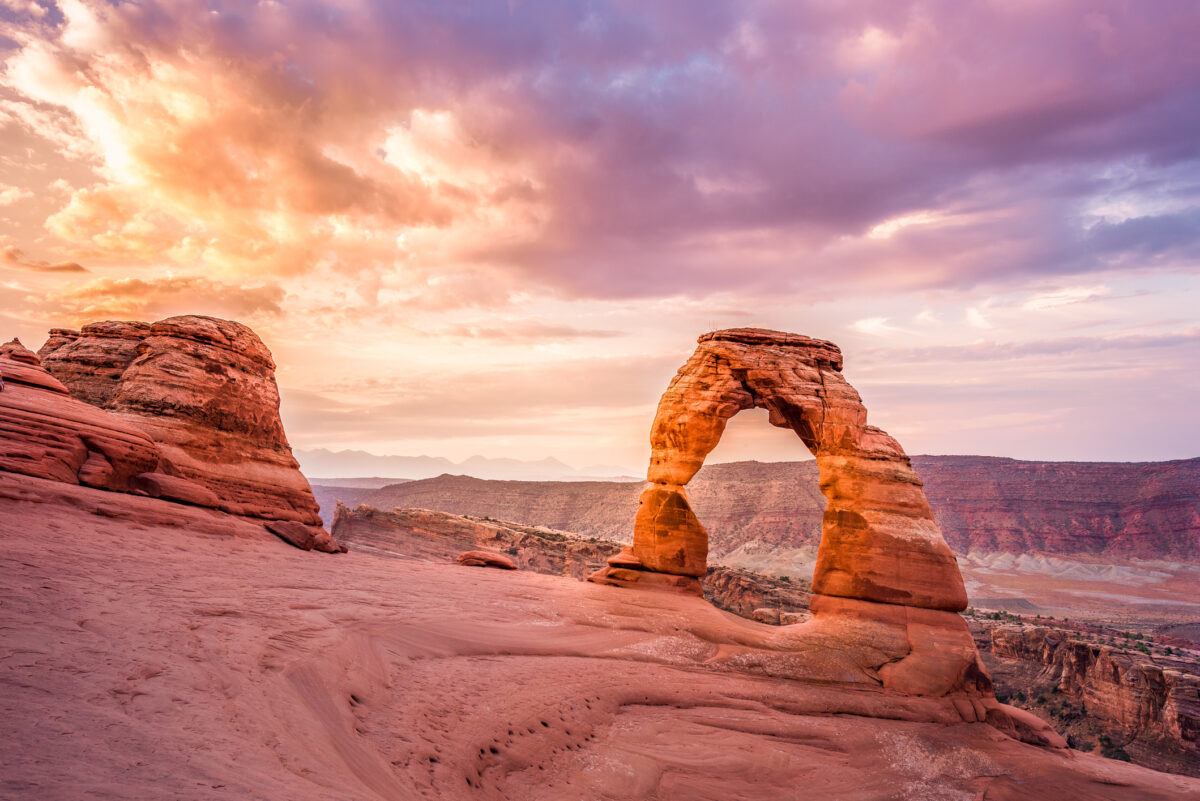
879,539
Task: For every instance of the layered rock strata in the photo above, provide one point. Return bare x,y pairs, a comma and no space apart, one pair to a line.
204,391
45,433
1149,703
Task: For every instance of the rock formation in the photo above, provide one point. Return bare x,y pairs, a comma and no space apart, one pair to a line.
1151,704
886,586
46,433
879,540
486,559
204,391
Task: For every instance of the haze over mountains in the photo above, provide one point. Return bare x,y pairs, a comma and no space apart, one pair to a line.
344,464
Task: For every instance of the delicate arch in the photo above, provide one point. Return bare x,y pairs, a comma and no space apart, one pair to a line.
879,540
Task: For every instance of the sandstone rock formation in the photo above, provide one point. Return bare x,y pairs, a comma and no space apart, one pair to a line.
204,391
46,433
485,559
886,586
879,540
1151,703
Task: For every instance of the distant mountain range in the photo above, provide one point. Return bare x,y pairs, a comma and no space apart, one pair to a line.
332,468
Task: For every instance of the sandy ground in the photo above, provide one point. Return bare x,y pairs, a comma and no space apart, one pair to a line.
171,654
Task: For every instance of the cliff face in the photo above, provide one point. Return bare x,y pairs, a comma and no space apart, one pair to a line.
1117,510
1148,704
204,390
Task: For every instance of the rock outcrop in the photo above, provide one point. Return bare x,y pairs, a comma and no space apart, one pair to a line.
485,559
886,586
204,391
46,433
1150,704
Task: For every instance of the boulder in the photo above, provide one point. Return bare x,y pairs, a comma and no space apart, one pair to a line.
486,559
304,537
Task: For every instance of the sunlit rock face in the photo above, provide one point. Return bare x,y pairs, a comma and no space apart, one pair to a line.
879,539
45,433
204,391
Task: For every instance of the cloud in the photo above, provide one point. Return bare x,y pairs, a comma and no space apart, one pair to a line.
875,326
1188,339
142,299
14,257
1065,297
12,194
610,151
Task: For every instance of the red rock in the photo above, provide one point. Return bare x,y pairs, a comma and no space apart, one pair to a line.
879,539
304,537
45,433
486,559
204,390
173,488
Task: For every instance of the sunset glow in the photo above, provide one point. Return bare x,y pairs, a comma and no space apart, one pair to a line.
492,228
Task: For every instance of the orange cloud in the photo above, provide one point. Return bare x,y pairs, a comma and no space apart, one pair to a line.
12,256
135,298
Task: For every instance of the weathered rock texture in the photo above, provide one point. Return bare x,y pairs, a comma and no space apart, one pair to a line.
879,540
46,433
142,662
1150,704
204,391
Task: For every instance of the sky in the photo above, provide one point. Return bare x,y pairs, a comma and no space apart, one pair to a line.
497,228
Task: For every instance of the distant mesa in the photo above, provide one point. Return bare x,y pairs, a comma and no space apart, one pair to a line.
185,410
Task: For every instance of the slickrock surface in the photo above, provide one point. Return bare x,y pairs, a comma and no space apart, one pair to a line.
46,433
204,390
143,662
879,541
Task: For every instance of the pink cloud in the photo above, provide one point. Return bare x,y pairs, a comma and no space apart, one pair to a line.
615,150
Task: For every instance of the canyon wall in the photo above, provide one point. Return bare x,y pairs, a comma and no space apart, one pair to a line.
1146,704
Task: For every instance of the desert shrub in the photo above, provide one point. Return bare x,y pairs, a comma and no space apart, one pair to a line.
1112,751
